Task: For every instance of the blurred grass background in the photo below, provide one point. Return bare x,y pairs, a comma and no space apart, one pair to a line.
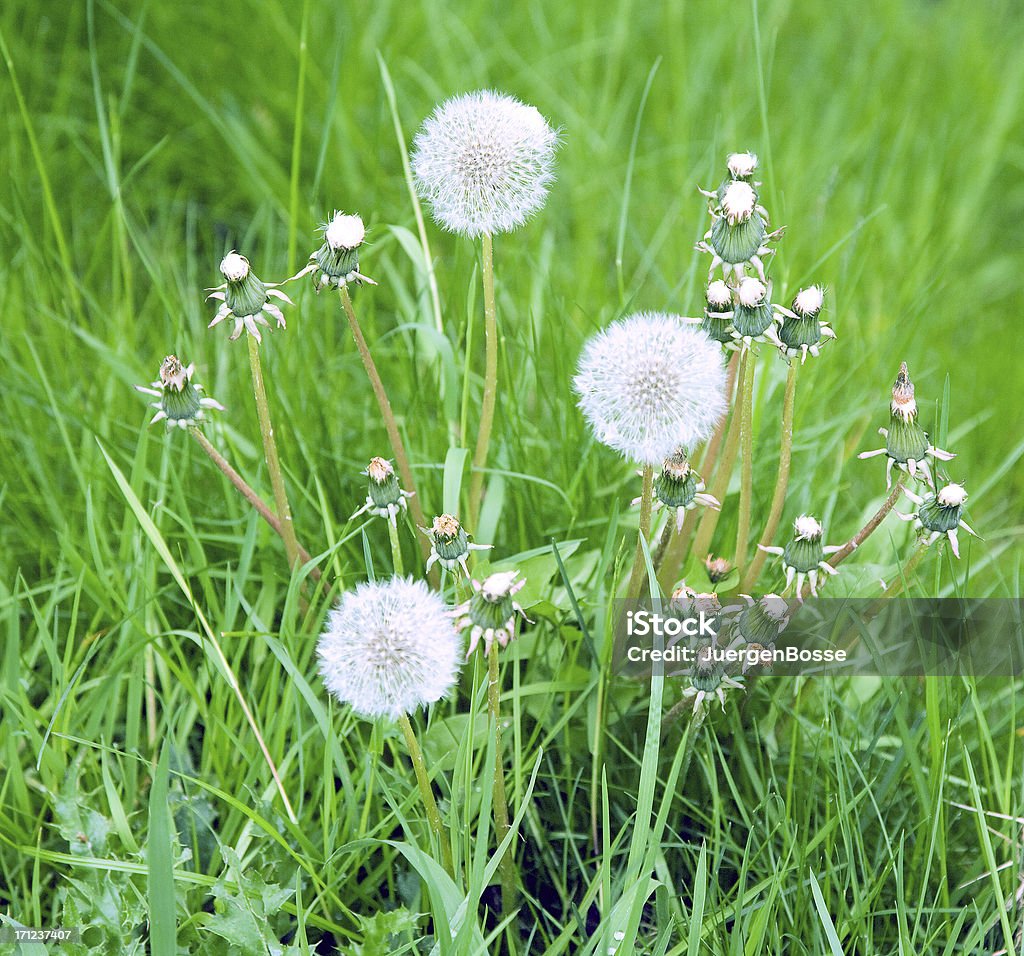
141,141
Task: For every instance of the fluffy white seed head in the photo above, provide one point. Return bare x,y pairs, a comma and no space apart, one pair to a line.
952,495
809,301
649,384
738,201
484,162
344,232
719,295
742,165
234,267
751,292
807,527
389,647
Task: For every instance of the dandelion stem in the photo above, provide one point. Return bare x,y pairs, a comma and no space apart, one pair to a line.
483,437
507,866
746,461
636,579
247,492
284,511
396,548
390,424
429,804
903,578
876,519
671,558
779,495
709,520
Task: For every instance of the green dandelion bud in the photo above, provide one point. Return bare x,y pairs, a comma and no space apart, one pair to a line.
490,614
940,513
450,544
246,299
180,402
680,488
336,262
804,555
384,498
803,330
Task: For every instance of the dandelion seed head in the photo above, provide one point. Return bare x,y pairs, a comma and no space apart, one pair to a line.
389,648
742,165
952,495
483,161
649,384
719,295
751,292
809,301
234,267
806,528
738,201
344,232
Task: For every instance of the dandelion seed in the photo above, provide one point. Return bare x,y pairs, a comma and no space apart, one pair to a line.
180,402
649,384
389,648
246,299
483,161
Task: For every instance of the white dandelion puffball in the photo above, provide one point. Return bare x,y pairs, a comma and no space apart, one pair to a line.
484,162
344,232
390,647
649,383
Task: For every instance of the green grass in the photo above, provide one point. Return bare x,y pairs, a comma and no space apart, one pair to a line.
141,141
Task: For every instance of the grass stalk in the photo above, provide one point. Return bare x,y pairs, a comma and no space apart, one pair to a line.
284,511
427,794
782,483
390,424
501,826
262,508
483,437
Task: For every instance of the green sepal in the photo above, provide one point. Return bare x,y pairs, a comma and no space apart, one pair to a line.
803,554
734,244
750,322
675,492
937,517
720,330
386,492
757,626
906,440
246,297
489,614
338,264
451,548
180,406
800,331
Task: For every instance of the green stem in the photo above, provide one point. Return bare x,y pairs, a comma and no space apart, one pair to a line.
396,548
876,519
483,437
638,575
779,495
903,577
284,511
709,520
247,492
670,561
390,424
429,804
501,827
746,461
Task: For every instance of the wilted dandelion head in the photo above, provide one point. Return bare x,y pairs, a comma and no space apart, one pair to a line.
484,162
344,232
389,647
649,384
742,165
952,495
738,201
806,528
234,267
808,302
751,292
718,295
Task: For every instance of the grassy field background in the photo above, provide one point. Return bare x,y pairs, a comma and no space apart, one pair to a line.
142,141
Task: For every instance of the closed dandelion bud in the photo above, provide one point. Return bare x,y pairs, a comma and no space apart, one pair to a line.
336,262
742,166
384,496
941,513
739,230
718,569
680,488
246,299
802,329
449,544
717,321
906,442
180,402
762,622
753,313
490,614
804,556
707,672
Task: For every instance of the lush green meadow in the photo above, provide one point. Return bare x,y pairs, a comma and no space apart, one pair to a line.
144,608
